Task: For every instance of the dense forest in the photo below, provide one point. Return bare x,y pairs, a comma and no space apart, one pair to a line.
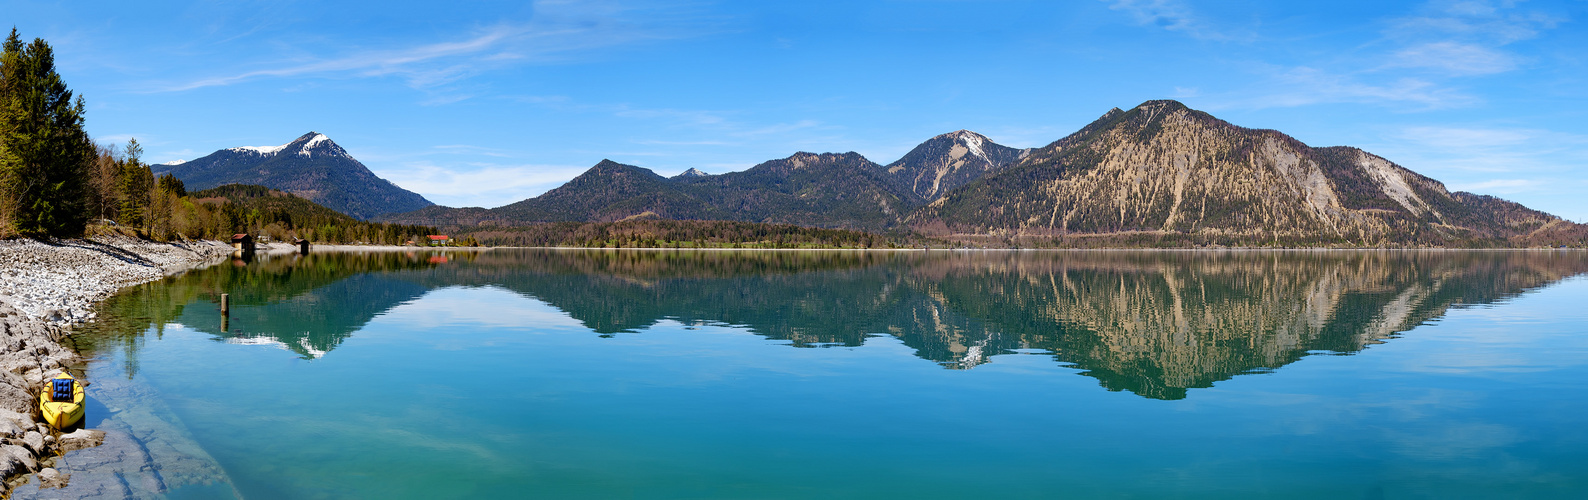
655,233
284,216
56,181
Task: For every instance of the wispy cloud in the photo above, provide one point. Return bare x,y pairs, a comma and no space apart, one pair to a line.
1489,21
1416,63
1464,38
1304,86
479,185
557,30
1537,163
1454,58
1498,186
1174,15
377,63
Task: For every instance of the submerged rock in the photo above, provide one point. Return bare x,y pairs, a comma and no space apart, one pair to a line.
51,478
79,439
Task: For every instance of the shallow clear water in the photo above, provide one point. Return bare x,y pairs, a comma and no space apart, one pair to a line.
656,374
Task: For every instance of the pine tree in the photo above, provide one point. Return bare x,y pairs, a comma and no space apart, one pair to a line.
44,151
136,183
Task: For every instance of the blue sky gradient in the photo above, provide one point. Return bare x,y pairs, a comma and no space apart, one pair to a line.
487,103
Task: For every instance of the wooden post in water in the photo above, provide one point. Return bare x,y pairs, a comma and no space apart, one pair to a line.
226,306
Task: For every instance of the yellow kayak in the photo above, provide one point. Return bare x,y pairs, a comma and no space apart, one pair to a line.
62,401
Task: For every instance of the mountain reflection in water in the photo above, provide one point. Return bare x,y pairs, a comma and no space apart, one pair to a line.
1155,323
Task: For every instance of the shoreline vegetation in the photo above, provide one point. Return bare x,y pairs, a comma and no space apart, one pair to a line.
683,234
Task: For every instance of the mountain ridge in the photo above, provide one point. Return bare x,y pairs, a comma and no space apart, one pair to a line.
1159,173
1163,168
312,166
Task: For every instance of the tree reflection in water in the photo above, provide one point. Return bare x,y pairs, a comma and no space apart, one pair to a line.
1155,323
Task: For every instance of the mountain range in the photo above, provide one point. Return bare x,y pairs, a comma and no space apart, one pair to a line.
312,167
1157,174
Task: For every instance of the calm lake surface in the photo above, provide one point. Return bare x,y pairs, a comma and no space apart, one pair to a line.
740,374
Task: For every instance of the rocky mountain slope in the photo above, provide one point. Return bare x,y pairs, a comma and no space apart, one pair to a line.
311,166
1162,169
948,161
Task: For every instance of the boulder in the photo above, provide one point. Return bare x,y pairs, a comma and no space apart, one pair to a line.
22,459
79,439
35,441
51,478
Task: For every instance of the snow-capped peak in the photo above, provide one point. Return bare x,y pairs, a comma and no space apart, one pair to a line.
262,150
318,138
307,145
314,143
174,162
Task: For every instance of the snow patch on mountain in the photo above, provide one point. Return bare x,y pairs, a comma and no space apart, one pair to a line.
262,150
317,139
308,148
973,141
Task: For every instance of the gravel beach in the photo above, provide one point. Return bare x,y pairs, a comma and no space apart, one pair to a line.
45,287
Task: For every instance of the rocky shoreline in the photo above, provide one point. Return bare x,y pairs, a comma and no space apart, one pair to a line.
45,287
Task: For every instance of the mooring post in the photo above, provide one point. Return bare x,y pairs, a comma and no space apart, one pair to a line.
226,304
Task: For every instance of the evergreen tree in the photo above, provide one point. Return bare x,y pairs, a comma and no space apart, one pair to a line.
170,184
137,182
44,152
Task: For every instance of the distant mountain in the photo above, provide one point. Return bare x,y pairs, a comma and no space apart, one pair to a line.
948,161
829,190
609,191
1160,174
311,166
1162,170
693,172
842,191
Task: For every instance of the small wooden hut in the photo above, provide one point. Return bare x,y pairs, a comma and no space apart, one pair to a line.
242,241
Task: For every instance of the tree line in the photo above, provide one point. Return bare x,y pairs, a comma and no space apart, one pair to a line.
661,233
55,181
284,216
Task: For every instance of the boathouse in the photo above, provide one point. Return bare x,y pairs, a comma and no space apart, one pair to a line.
242,241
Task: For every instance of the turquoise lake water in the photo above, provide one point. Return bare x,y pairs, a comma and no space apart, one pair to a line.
724,374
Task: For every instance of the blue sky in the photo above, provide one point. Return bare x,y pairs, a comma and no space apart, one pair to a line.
486,103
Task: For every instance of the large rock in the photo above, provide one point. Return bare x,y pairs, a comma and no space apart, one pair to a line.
16,459
35,441
79,439
51,478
